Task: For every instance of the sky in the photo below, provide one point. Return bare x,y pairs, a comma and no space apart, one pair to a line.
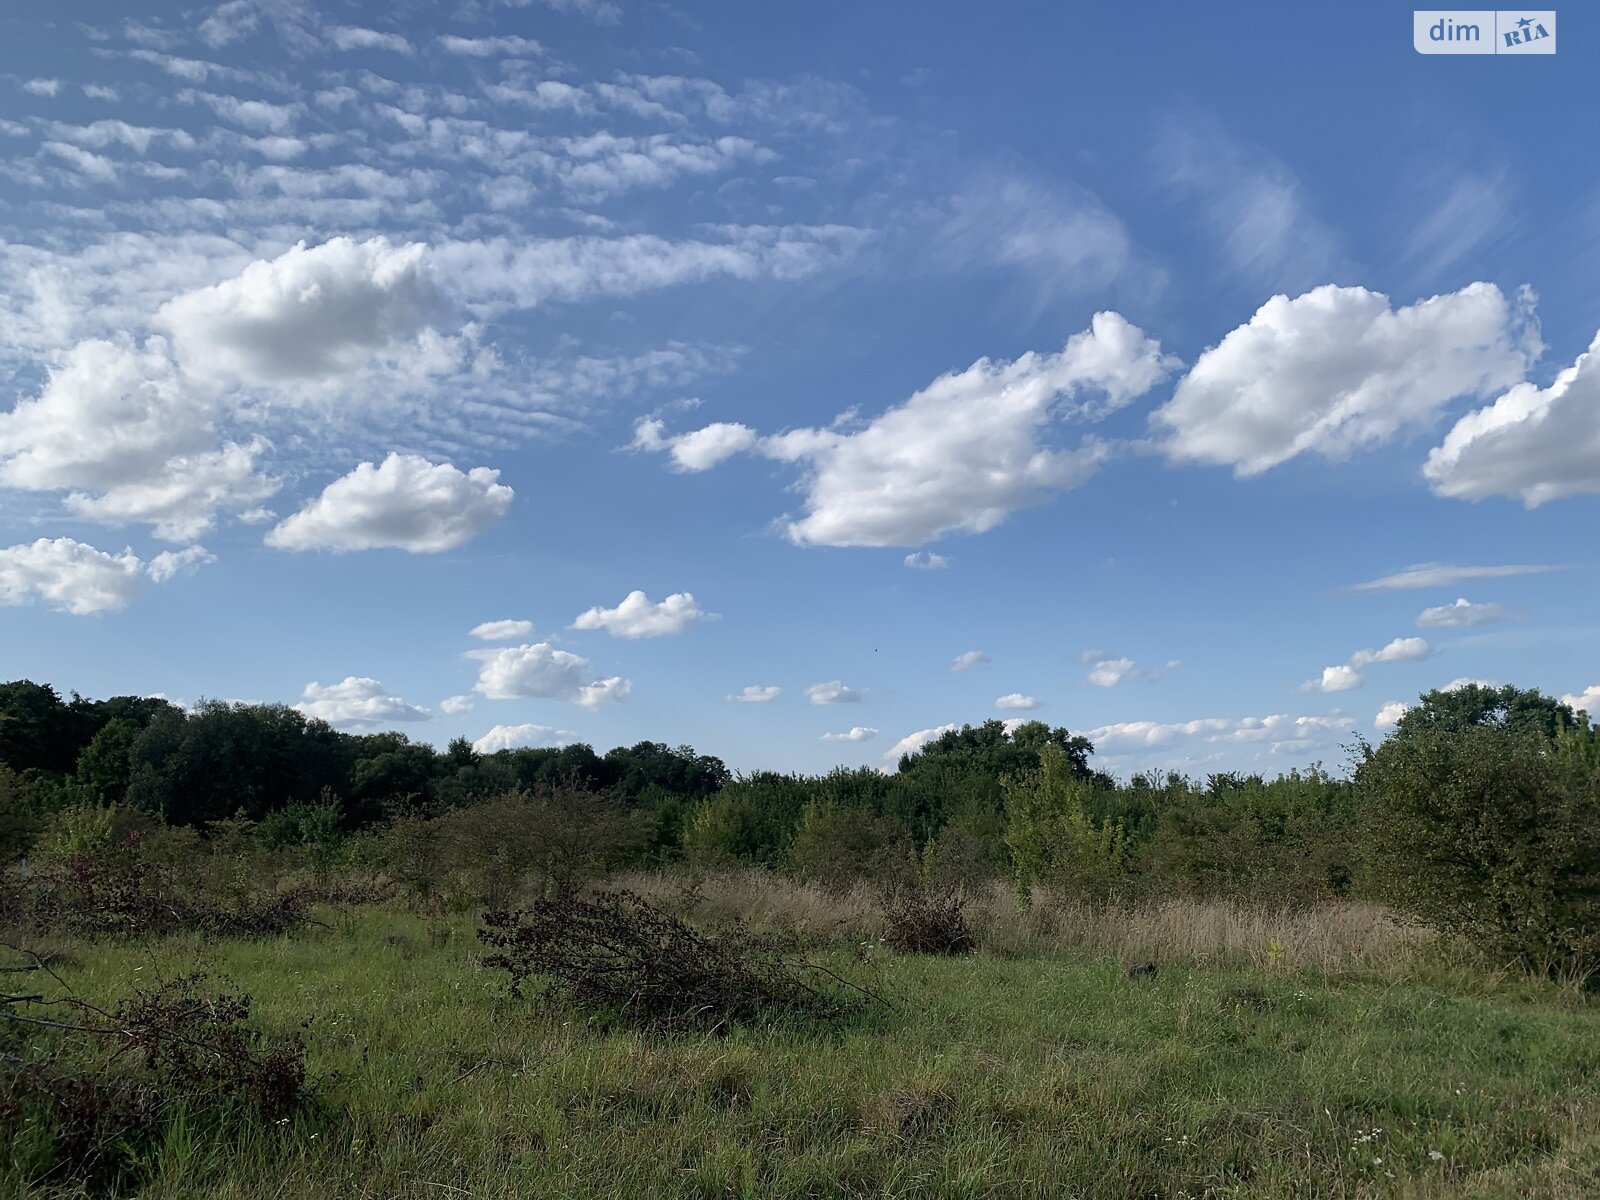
793,382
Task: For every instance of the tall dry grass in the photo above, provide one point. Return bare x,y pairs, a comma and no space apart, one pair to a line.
1332,938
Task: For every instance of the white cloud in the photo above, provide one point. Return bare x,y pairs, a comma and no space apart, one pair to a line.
1587,700
697,451
355,37
1534,444
1455,685
755,694
501,631
170,564
856,733
1389,715
73,577
1461,614
913,742
964,452
230,22
971,658
512,737
310,313
42,87
181,503
637,617
119,420
832,692
455,706
1337,370
1344,678
1337,679
1280,731
926,560
539,671
1109,672
406,503
1426,575
613,690
492,47
357,702
1017,700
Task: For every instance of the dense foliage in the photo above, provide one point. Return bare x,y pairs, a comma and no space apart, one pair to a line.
1478,814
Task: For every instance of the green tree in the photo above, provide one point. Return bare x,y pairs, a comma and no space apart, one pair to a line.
1052,835
1492,832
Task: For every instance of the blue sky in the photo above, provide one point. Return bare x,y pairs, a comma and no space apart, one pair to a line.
1210,381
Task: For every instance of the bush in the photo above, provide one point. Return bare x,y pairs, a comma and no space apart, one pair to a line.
91,1095
1493,834
837,846
921,920
615,953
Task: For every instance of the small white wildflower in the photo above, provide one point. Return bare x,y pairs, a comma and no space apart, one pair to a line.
1436,1155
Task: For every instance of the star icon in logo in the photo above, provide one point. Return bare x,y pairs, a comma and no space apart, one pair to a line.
1524,23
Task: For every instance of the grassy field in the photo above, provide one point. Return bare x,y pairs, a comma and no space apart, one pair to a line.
1329,1053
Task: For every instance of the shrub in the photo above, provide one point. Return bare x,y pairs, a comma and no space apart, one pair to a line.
1493,834
922,920
836,846
613,952
89,1099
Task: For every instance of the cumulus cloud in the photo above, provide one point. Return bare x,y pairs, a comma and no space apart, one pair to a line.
964,452
73,577
538,671
1462,613
357,702
1426,575
1588,700
697,451
42,87
1017,700
637,617
971,658
832,692
1534,444
1389,715
501,631
1348,675
118,428
913,742
311,313
512,737
1108,670
455,706
1337,370
1280,732
406,503
926,560
230,22
755,694
856,733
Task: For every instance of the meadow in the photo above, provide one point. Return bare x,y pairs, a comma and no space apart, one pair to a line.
1321,1051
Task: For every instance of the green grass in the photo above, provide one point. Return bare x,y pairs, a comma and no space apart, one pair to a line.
1052,1075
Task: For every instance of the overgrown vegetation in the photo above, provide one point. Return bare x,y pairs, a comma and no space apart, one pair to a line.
615,953
704,934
